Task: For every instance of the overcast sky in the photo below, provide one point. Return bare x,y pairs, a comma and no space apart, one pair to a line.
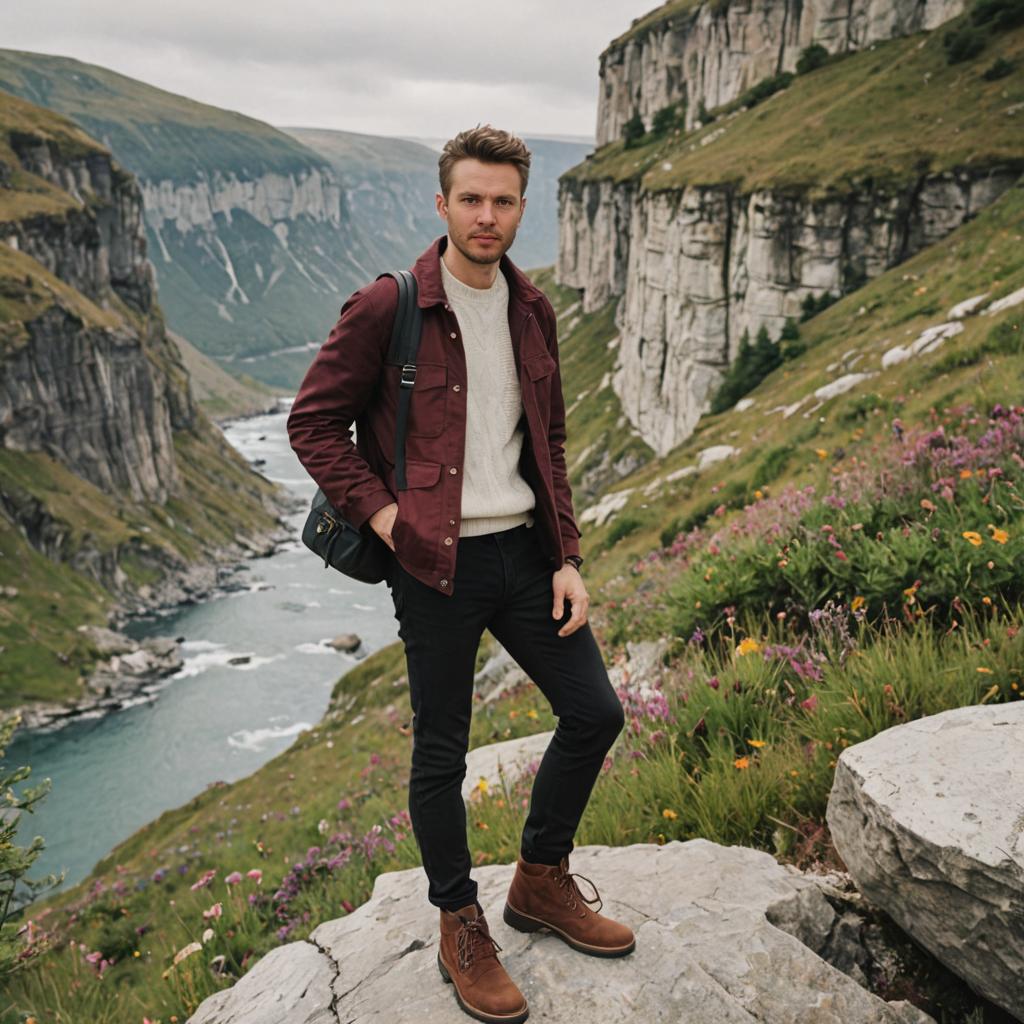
401,68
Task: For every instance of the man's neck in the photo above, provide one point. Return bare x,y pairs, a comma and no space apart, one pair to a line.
475,275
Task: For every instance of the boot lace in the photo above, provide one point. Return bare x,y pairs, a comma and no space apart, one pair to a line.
571,890
474,938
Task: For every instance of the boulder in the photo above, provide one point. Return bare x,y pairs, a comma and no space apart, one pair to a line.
717,940
347,642
509,757
929,819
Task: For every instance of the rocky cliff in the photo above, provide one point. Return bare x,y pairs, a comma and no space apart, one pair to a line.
690,53
103,453
704,235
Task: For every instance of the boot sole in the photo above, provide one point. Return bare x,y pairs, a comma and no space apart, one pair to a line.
524,923
490,1018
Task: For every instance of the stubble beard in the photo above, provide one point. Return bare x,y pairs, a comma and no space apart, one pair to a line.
488,259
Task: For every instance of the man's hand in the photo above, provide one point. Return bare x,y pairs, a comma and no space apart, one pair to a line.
381,522
568,583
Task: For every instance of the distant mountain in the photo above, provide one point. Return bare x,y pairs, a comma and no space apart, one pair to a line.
258,235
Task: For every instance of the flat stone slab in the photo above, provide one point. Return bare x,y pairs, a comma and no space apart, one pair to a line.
929,819
707,950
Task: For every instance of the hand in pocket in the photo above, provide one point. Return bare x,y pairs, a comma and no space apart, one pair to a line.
382,521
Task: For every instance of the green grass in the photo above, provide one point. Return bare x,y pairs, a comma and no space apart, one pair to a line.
881,118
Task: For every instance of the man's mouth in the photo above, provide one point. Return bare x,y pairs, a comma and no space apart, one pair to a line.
486,238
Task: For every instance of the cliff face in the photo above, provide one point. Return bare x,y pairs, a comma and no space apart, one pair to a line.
699,266
689,52
96,396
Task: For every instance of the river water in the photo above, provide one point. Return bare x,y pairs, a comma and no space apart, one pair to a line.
214,720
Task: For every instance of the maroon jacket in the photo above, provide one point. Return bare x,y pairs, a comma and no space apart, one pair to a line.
349,381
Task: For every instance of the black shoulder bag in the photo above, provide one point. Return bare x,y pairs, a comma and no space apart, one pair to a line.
327,532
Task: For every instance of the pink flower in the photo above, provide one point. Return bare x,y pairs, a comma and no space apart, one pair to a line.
256,875
811,703
215,911
204,879
234,878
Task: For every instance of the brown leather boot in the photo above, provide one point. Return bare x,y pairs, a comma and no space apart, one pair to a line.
468,959
544,897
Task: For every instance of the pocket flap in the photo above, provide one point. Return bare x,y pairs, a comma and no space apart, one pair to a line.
421,474
430,375
540,366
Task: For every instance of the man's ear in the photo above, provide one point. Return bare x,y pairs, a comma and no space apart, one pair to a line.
442,207
522,208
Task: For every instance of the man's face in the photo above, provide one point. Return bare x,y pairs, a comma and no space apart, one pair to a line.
483,209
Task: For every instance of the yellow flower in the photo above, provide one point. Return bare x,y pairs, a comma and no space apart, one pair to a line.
531,713
966,474
756,743
742,762
987,671
793,772
482,785
759,494
669,813
483,825
748,645
821,453
999,536
928,506
513,714
972,536
986,600
857,602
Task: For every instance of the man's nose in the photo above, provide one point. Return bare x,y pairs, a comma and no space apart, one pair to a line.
486,213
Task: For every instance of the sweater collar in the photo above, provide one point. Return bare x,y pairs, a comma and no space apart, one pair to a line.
427,271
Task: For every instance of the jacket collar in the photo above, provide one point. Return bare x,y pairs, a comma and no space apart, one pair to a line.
430,286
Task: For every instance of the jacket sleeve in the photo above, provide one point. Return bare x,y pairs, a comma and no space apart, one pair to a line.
556,444
336,389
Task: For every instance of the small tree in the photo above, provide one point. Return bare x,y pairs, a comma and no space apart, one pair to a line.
633,130
15,861
665,119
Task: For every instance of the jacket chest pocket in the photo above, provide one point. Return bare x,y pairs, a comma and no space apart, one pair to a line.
540,370
427,402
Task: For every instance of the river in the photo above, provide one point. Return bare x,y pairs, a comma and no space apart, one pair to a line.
213,720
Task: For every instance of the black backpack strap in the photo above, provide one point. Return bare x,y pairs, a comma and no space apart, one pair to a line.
405,343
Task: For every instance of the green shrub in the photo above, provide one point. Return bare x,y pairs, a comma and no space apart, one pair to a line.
633,130
999,68
815,304
752,364
998,15
16,890
623,527
963,43
811,57
759,92
668,118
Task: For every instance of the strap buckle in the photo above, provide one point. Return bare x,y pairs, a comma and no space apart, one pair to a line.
408,368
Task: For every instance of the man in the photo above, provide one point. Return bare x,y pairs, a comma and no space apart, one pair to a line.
483,537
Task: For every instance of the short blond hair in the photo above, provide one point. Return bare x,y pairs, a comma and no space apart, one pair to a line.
488,145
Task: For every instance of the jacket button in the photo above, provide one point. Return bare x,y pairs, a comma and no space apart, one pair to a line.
448,541
456,387
451,522
453,335
444,583
453,470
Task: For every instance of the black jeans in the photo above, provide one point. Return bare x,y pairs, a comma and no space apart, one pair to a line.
504,585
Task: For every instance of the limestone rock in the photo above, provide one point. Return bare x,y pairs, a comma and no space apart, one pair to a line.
929,818
293,986
509,757
707,949
697,265
348,642
500,673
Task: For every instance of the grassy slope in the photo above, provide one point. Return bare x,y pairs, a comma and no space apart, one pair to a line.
156,133
888,114
274,813
220,395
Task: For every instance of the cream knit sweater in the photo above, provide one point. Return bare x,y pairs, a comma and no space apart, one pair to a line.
494,494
